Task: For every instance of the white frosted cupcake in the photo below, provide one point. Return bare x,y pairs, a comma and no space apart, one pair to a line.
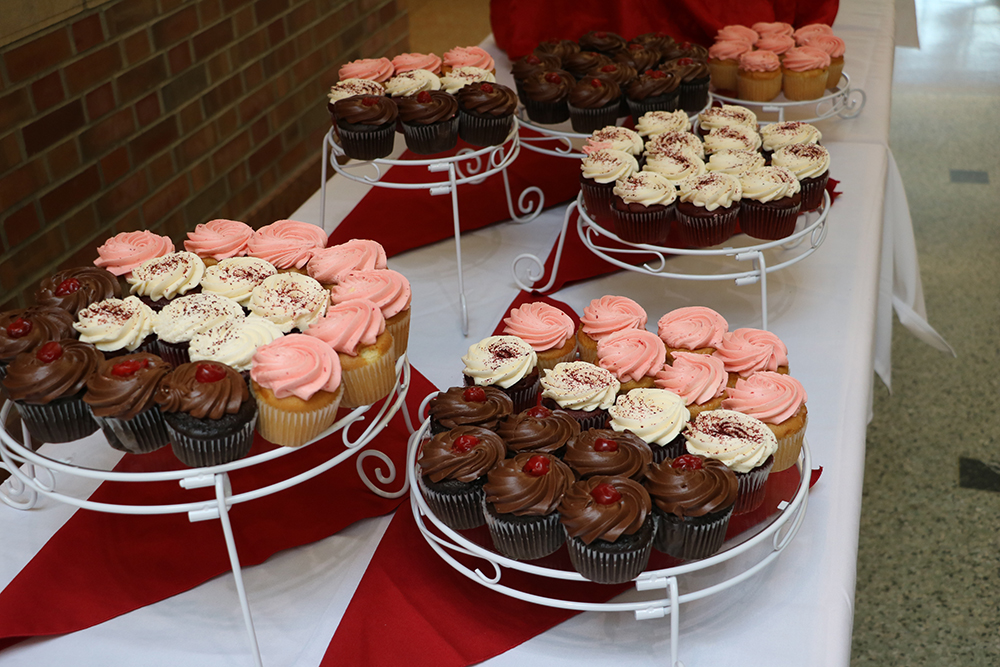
290,300
234,342
708,208
582,389
507,363
186,316
644,208
734,161
614,137
236,277
738,137
675,165
675,141
598,173
779,135
653,123
160,279
117,326
460,77
412,82
726,115
657,416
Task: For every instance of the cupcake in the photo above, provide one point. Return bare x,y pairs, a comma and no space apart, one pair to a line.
117,326
538,429
675,141
656,416
521,497
387,289
47,385
638,56
693,500
74,289
331,265
732,137
236,278
834,47
602,451
691,329
234,342
296,381
350,88
686,50
811,165
604,316
123,252
467,56
484,407
759,76
770,203
657,41
120,394
219,239
374,69
546,96
209,413
737,32
549,331
807,32
609,528
460,77
614,137
778,135
287,244
644,207
708,208
26,328
694,80
726,115
581,389
507,363
186,316
777,44
766,29
453,468
406,62
486,113
527,66
412,82
633,355
557,47
652,123
747,351
653,90
598,173
743,443
602,41
675,166
594,102
355,329
366,125
159,280
579,64
734,161
724,62
804,71
699,379
430,121
621,73
780,402
290,300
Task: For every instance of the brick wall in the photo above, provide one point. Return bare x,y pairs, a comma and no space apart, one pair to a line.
161,114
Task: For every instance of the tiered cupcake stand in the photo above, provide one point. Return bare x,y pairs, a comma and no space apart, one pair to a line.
844,102
465,167
657,592
34,474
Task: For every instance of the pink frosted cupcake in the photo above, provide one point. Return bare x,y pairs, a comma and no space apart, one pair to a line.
548,330
724,62
287,244
633,355
691,329
405,62
835,47
387,289
804,72
806,32
699,379
123,252
737,32
775,43
605,316
766,29
356,330
374,69
219,239
467,56
747,351
330,265
759,76
780,402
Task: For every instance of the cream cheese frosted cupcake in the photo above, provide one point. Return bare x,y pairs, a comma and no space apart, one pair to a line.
699,379
156,281
747,351
633,355
604,316
614,137
691,329
117,326
780,402
287,244
234,342
123,252
390,291
405,62
412,82
507,363
770,204
653,123
745,444
811,165
236,277
583,390
738,137
296,381
460,77
778,135
735,162
644,207
674,141
708,209
657,416
675,165
330,265
219,239
374,69
290,300
351,87
598,173
549,331
186,316
727,115
356,330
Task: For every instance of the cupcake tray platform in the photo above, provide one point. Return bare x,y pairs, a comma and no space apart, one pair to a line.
34,474
845,102
719,263
657,593
465,167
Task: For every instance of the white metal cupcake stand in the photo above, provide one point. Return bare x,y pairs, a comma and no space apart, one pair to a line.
465,167
34,474
663,591
844,102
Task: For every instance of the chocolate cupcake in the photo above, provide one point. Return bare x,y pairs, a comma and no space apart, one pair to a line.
453,467
655,41
638,56
527,66
599,172
621,73
538,429
484,407
27,328
653,90
578,64
366,124
594,102
708,208
187,316
121,394
521,497
770,203
602,41
159,280
430,121
117,326
350,88
75,289
656,416
546,95
507,363
603,451
811,165
486,112
644,208
694,79
557,47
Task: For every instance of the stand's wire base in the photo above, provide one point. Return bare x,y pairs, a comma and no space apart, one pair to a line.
844,102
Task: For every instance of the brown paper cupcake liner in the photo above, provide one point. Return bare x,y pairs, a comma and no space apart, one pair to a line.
367,144
431,139
599,198
174,354
607,563
144,433
812,191
690,538
198,452
586,121
765,222
702,232
546,113
693,95
750,492
62,420
458,511
523,537
480,131
651,228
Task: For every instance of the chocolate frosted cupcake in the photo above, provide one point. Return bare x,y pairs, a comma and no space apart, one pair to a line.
600,451
602,41
366,124
693,499
546,95
430,121
453,467
209,413
484,407
486,113
655,41
621,73
708,208
653,90
594,102
770,203
538,429
350,88
507,363
638,56
527,66
75,289
521,497
558,47
609,528
121,398
581,389
694,79
47,384
27,328
580,63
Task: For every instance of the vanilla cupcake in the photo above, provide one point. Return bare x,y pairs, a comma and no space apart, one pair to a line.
387,289
186,316
633,355
699,379
507,363
835,47
747,351
775,43
691,329
160,279
330,265
735,162
653,123
287,244
780,402
804,71
604,316
236,277
732,137
117,326
657,416
290,300
759,76
583,390
467,56
549,331
374,69
234,342
807,32
724,62
219,239
123,252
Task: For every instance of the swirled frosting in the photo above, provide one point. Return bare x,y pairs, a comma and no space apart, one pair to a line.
645,189
351,87
614,137
440,459
803,160
468,56
330,265
236,277
686,492
589,520
296,365
734,161
727,114
653,123
778,135
631,354
558,47
830,43
746,351
427,108
375,69
608,314
621,73
123,252
737,32
166,277
775,43
349,325
593,92
769,183
629,456
532,63
486,99
740,441
219,239
188,315
538,430
692,328
542,326
182,391
287,243
511,490
26,328
763,28
234,342
548,86
675,165
729,49
639,57
412,82
805,58
405,62
290,300
499,360
578,385
711,190
581,62
732,136
655,415
806,32
115,324
124,395
696,378
656,40
370,110
460,77
388,289
602,41
760,61
450,408
674,141
39,382
74,289
689,68
770,397
608,165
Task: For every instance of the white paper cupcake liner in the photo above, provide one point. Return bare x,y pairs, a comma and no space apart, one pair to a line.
294,429
368,384
788,450
197,452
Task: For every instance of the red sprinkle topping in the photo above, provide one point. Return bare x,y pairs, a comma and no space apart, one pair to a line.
605,494
609,68
687,462
597,83
552,77
474,394
369,101
486,88
19,327
539,412
128,368
464,443
424,97
209,373
605,445
536,466
67,286
49,352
